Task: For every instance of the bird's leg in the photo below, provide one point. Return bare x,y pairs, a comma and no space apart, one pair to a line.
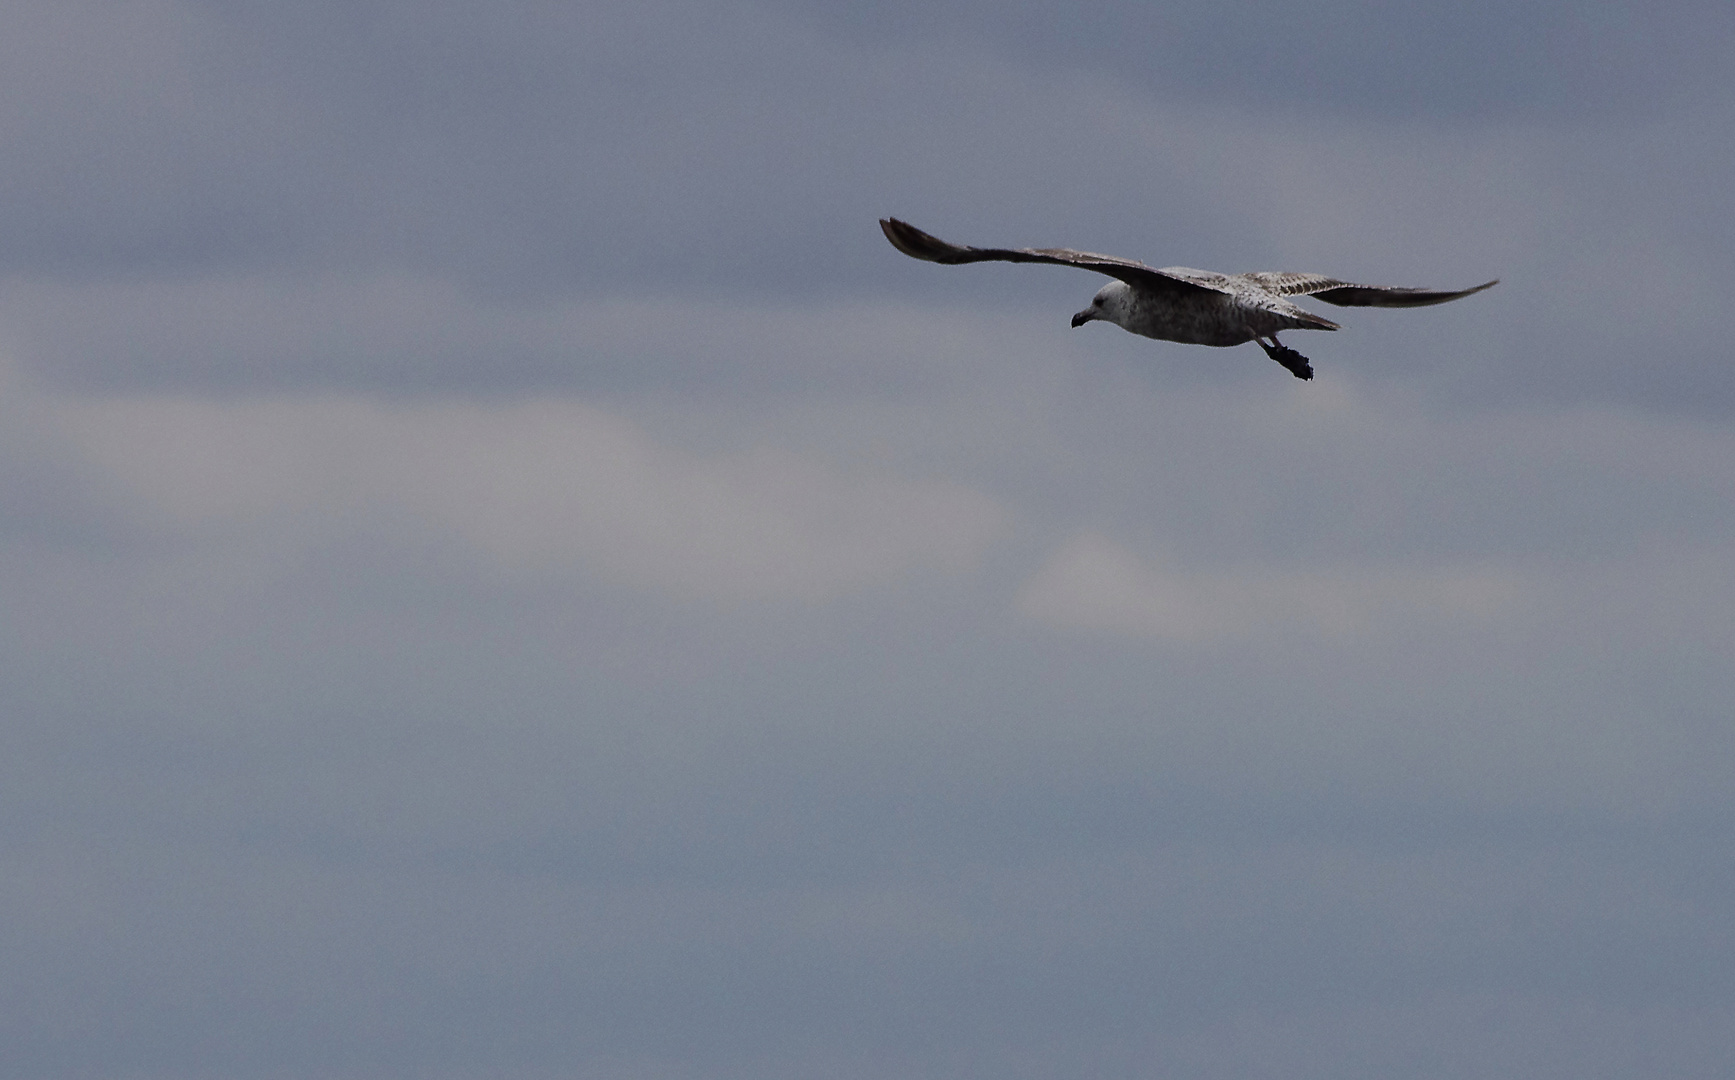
1289,358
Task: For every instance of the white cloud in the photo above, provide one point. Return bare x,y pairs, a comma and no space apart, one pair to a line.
408,334
1094,583
551,487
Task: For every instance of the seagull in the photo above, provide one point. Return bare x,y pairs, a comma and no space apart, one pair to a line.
1196,307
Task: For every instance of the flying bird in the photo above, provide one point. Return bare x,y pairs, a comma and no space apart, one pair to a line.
1196,307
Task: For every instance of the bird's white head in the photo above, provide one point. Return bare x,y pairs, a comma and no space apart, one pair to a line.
1111,304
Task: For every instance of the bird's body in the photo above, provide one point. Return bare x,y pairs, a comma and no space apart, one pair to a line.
1177,303
1222,315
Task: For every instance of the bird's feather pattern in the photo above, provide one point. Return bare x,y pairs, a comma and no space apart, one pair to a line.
1178,303
920,245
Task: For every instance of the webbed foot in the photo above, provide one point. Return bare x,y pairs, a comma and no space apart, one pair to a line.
1289,358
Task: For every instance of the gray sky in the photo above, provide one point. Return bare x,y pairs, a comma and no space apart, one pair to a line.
507,574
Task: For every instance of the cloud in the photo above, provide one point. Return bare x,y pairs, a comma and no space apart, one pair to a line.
507,574
548,487
1094,583
1532,57
678,153
748,845
421,336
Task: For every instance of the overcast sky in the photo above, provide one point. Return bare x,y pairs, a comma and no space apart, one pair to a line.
505,573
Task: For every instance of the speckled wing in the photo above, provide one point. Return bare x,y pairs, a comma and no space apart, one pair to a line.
919,245
1346,294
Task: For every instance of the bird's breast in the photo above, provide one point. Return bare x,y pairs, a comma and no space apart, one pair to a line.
1207,319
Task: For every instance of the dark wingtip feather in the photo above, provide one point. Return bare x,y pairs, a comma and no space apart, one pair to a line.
1382,296
917,244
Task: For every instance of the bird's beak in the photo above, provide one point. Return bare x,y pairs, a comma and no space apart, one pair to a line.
1083,317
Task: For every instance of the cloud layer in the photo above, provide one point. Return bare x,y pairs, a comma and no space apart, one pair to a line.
552,487
503,572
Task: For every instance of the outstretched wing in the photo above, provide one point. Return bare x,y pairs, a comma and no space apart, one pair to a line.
1345,294
919,245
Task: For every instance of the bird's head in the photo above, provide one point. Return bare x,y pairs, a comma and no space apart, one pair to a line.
1109,304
